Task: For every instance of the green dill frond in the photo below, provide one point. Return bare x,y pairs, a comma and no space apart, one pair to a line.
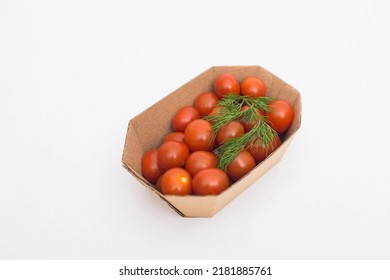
230,110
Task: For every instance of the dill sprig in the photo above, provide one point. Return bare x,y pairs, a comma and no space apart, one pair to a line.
225,115
230,110
260,134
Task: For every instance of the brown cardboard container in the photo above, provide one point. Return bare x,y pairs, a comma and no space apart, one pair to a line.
147,130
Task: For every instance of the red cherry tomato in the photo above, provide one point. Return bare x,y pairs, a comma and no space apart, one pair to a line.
158,184
205,102
253,87
176,181
211,181
175,136
230,130
215,111
183,117
281,115
248,125
150,169
226,84
259,151
241,165
200,160
198,135
172,154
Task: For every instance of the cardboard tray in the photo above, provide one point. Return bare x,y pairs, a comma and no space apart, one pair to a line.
147,130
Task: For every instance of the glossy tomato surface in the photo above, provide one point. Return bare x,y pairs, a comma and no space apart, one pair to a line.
174,136
176,181
210,181
200,160
230,130
253,87
205,102
172,154
150,169
183,117
241,165
281,115
260,151
226,84
198,135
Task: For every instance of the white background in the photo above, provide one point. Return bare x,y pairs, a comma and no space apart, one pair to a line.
72,74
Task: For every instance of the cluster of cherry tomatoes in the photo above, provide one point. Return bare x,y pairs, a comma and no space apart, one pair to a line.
185,163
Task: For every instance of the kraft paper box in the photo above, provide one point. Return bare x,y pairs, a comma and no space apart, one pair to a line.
147,130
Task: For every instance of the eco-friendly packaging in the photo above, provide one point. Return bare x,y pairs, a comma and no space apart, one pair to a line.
147,130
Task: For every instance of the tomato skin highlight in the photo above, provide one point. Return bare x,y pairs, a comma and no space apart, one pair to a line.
281,115
150,168
211,181
172,154
183,117
259,152
200,160
198,135
241,165
230,130
205,102
174,136
253,87
176,181
226,84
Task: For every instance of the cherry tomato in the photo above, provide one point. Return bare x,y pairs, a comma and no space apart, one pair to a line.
183,117
198,135
281,115
259,151
205,102
176,181
158,184
226,84
210,181
230,130
150,169
175,136
248,125
241,165
172,154
253,87
215,111
199,160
